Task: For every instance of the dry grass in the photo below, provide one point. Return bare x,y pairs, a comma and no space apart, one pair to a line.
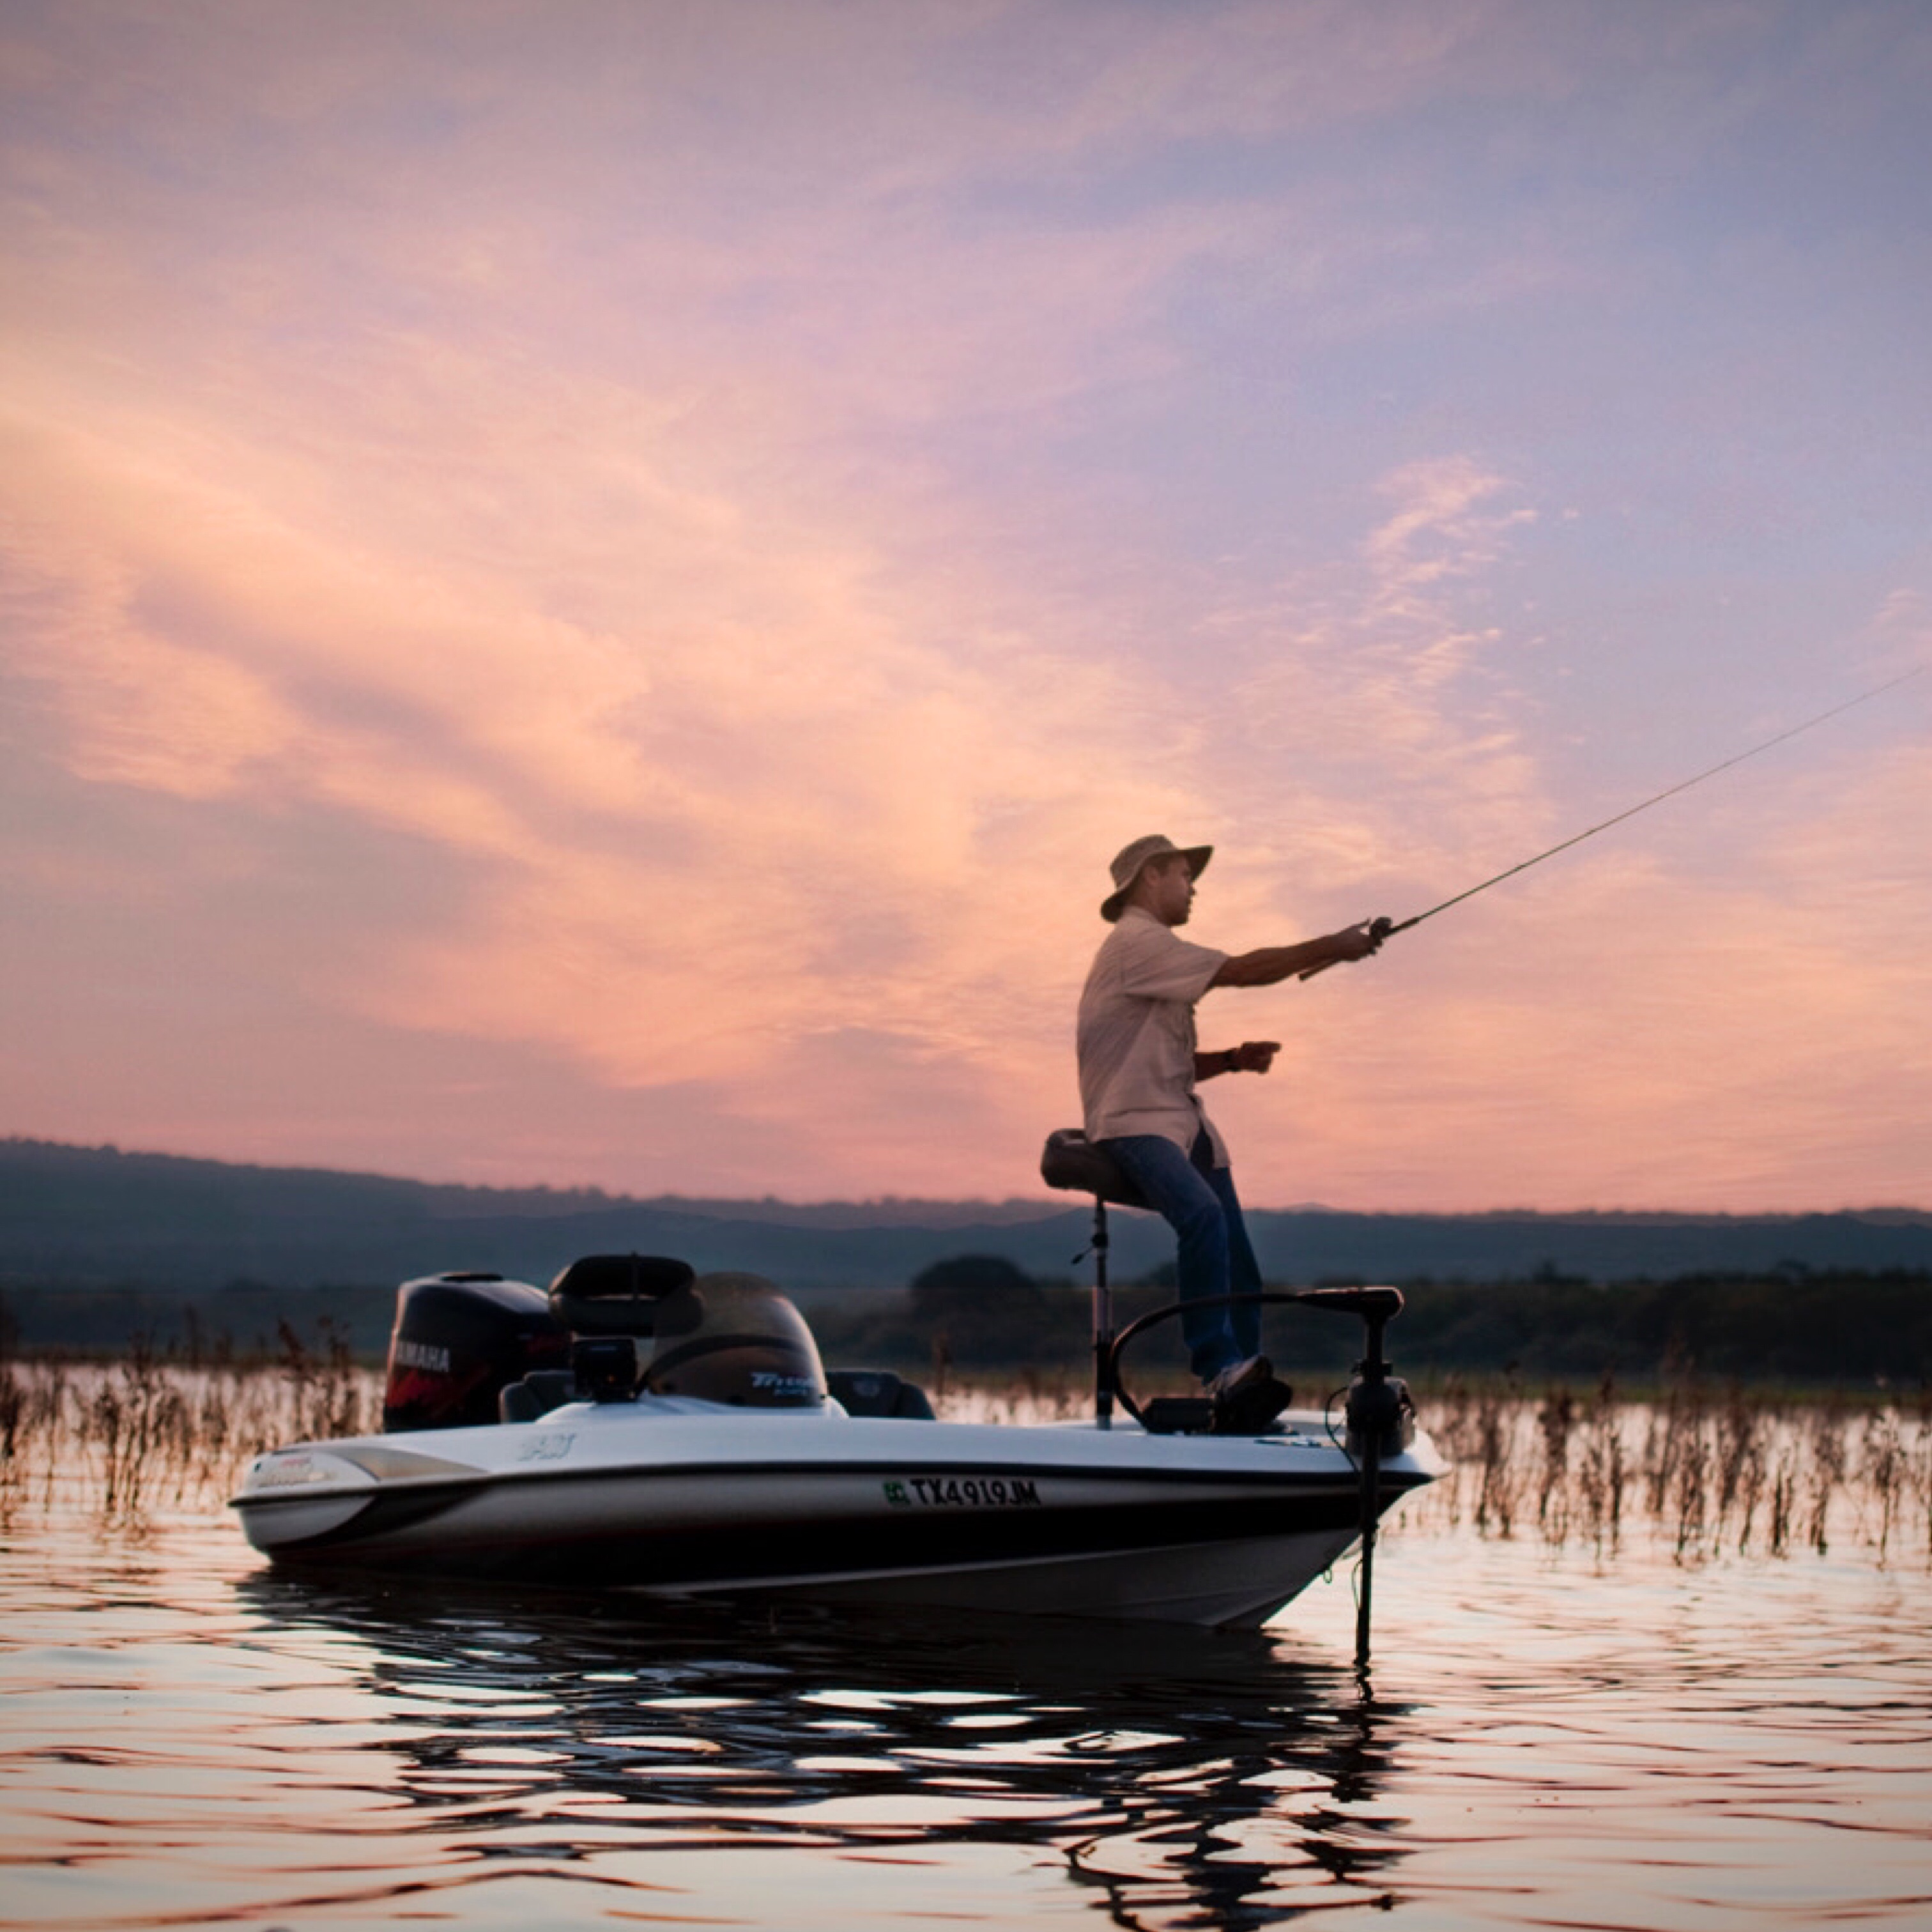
1694,1472
123,1439
1700,1473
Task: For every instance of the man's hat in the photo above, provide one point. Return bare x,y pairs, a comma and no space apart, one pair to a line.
1129,861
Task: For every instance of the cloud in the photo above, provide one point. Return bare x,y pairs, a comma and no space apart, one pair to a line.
760,791
138,709
799,777
784,836
740,512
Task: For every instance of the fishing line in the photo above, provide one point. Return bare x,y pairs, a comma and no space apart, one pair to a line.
1386,929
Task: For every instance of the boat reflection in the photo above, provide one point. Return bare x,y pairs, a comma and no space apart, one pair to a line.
1186,1776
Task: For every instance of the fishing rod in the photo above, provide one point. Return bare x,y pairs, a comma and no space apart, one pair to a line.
1384,928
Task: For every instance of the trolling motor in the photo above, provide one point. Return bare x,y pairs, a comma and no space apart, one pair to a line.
1380,1418
1379,1413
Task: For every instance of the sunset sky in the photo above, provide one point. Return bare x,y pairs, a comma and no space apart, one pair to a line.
586,590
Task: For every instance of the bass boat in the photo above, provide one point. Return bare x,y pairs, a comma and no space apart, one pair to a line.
642,1427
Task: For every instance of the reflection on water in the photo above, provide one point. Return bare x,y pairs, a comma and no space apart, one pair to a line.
187,1739
1140,1760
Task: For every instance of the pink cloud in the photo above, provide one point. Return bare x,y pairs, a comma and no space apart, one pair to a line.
712,538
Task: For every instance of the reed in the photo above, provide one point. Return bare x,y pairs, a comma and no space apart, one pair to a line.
1687,1472
1690,1472
123,1440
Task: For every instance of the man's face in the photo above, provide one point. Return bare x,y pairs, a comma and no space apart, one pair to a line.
1169,890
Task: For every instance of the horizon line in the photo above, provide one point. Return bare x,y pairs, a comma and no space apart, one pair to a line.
1048,1201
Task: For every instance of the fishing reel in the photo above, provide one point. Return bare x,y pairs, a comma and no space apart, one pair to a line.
1378,930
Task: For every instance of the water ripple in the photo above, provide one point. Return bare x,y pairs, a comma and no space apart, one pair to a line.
189,1738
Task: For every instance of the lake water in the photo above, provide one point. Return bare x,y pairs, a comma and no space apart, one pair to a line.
1547,1737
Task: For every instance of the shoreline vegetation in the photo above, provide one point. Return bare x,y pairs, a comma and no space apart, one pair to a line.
1692,1472
1771,1414
1794,1327
72,1216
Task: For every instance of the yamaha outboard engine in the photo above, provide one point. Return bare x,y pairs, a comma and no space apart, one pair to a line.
458,1340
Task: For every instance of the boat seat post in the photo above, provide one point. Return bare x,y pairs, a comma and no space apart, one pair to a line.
1072,1162
1103,1322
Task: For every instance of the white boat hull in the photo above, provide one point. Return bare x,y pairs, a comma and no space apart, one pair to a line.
1224,1585
674,1497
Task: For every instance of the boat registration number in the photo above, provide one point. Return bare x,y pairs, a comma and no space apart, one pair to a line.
963,1493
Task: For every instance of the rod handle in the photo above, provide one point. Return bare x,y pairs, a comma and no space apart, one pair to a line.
1379,929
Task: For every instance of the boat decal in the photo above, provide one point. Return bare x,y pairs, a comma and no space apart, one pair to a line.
964,1492
388,1464
285,1472
783,1388
547,1447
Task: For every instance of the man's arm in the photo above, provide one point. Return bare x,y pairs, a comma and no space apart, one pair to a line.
1251,1056
1269,965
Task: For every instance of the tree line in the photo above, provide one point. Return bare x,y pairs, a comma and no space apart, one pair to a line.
983,1313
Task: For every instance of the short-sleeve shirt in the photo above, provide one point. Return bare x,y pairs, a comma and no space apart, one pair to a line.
1136,1034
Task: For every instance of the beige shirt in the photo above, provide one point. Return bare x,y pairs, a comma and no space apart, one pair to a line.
1136,1034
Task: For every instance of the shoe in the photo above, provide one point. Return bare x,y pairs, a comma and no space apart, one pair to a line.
1251,1411
1247,1397
1237,1376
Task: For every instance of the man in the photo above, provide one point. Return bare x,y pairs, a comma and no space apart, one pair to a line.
1139,1070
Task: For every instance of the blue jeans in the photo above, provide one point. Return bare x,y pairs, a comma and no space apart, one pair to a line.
1215,1258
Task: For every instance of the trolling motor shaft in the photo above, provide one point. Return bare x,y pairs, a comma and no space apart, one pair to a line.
1381,1420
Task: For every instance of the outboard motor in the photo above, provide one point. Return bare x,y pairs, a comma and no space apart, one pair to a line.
458,1340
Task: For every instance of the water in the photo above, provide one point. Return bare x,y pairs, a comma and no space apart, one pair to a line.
1547,1737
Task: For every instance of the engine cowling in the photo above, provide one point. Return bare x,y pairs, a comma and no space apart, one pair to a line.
459,1340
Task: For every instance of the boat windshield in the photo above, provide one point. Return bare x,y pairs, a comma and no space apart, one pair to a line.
734,1338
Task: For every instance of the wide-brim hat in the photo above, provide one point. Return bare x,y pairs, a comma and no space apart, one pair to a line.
1131,860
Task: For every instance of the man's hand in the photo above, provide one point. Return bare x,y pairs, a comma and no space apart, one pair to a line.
1358,942
1253,1056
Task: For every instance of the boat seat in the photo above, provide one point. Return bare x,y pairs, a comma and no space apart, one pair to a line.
1071,1161
539,1392
617,1294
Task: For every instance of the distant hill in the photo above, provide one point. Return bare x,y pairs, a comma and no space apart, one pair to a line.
96,1216
100,1249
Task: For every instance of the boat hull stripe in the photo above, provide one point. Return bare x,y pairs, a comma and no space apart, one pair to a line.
575,1531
